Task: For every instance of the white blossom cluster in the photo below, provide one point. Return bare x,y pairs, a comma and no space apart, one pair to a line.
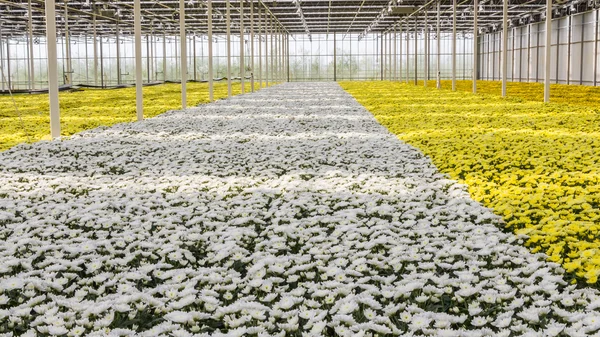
287,212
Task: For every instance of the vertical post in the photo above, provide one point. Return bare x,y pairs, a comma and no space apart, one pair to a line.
68,46
242,37
547,50
252,46
582,38
400,59
228,32
266,25
504,45
183,53
407,51
596,47
287,63
52,68
381,59
453,45
30,45
334,57
260,72
395,48
426,40
137,22
1,59
118,38
147,56
475,49
416,53
272,63
569,39
9,78
164,57
528,51
101,63
194,57
439,45
95,51
389,56
211,96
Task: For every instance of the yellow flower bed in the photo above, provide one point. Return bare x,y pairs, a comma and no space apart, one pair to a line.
559,93
90,108
535,164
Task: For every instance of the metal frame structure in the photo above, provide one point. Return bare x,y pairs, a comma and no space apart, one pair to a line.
276,25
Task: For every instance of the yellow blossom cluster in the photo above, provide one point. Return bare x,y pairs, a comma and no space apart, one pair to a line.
559,93
86,109
537,165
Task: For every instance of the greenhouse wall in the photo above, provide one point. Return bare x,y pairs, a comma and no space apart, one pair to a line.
574,51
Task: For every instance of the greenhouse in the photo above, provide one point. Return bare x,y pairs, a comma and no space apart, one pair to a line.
299,168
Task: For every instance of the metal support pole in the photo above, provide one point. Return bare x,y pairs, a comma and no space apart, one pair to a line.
407,51
334,57
454,45
260,72
30,45
504,46
52,68
475,49
547,50
194,57
101,63
426,40
228,32
252,46
8,72
164,57
68,46
148,63
400,59
183,53
272,63
439,45
287,61
395,77
381,58
2,76
596,47
266,25
242,37
118,37
416,54
137,22
211,96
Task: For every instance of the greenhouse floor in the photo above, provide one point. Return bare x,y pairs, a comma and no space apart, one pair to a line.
287,211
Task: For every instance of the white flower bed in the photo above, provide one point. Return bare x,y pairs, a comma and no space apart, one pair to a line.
289,212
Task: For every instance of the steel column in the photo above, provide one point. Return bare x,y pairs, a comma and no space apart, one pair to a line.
475,49
242,37
596,47
52,68
183,53
547,50
260,72
68,46
454,45
439,45
228,32
504,45
252,46
211,96
30,45
426,40
137,19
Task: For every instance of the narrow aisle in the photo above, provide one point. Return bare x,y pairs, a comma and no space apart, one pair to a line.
289,209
